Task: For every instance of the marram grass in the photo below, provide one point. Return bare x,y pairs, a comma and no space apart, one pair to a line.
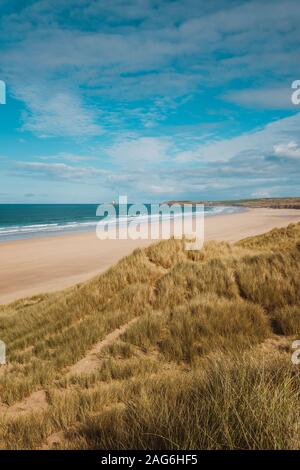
206,364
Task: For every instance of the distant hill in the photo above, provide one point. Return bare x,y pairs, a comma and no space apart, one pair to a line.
273,203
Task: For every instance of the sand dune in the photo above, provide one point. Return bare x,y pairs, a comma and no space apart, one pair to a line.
33,266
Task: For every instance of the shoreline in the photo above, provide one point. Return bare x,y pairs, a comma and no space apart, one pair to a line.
86,227
39,265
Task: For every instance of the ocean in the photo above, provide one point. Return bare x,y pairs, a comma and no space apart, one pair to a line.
18,221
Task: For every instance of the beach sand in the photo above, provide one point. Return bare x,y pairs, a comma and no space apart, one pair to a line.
40,265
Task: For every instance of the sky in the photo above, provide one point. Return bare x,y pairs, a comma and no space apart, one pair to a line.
153,99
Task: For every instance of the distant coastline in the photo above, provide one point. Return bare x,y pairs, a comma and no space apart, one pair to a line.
270,203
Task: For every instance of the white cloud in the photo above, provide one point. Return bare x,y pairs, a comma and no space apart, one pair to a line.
61,171
269,97
267,160
160,49
59,58
140,151
65,156
289,150
259,142
57,114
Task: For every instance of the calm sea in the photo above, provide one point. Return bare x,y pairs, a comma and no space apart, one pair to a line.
29,220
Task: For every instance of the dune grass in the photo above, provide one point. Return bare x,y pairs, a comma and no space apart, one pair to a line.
200,368
232,403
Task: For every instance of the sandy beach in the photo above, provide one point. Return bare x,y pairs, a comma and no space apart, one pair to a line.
39,265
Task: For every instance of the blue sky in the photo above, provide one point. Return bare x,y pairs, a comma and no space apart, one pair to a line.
156,99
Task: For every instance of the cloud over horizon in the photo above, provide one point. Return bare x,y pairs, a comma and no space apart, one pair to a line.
164,97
